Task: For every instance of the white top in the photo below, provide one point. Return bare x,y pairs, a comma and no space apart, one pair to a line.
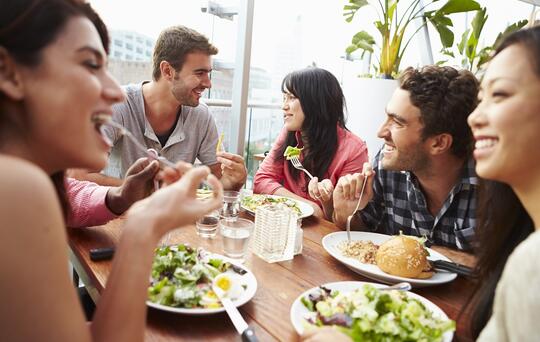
516,310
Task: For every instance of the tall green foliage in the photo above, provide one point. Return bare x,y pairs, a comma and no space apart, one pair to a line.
471,55
393,25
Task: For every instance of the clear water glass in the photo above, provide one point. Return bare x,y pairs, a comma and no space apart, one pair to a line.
231,205
207,226
235,236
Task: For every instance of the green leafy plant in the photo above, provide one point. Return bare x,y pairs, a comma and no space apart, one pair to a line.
468,50
393,25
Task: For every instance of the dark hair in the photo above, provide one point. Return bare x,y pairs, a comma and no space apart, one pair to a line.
26,28
174,43
503,222
445,97
323,103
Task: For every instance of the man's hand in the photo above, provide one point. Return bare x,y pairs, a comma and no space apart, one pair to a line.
233,170
138,184
347,193
176,204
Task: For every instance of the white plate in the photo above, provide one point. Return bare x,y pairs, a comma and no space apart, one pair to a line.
305,208
248,279
299,311
331,241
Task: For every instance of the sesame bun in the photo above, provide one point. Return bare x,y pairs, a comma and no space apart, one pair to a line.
403,256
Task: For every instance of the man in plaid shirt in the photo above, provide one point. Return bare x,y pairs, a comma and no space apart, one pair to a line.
422,182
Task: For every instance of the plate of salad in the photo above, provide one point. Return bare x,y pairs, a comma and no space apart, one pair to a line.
252,202
364,313
182,277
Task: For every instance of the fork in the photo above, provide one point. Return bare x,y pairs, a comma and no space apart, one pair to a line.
150,153
298,165
355,210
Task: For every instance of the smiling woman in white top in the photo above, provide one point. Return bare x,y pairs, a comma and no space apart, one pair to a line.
505,125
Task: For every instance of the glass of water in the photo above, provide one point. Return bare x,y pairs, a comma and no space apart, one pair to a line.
231,205
235,236
208,224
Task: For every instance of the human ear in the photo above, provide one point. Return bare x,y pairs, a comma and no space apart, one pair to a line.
167,71
440,143
10,81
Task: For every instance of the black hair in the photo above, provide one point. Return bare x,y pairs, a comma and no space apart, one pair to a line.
323,104
503,222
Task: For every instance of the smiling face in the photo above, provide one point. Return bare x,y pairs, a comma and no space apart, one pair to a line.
506,123
293,115
189,83
404,149
61,95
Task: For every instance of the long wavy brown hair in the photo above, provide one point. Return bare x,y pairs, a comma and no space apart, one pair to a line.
26,28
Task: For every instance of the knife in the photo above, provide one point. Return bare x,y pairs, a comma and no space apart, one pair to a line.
247,333
451,267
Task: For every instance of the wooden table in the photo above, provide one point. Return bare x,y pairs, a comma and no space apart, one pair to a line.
279,284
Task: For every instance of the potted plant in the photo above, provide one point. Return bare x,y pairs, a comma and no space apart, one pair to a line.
393,28
471,55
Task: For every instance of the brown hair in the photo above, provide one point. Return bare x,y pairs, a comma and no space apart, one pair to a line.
445,97
26,28
175,43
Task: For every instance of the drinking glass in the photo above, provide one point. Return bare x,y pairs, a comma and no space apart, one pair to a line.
231,205
236,236
208,224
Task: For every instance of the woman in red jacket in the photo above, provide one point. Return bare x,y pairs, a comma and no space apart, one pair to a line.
313,111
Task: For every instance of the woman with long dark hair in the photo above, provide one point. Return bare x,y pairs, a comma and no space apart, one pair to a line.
53,84
313,106
505,125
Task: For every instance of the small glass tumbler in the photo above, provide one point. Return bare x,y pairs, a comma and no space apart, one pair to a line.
207,225
236,236
231,205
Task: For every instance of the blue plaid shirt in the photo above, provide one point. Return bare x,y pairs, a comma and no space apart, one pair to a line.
398,204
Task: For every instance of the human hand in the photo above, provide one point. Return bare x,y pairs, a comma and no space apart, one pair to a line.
137,185
233,170
347,193
170,175
177,205
324,334
321,191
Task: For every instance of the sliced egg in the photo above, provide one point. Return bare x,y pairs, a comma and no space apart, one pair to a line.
231,284
210,300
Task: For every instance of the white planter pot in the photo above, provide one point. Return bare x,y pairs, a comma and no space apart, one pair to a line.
366,100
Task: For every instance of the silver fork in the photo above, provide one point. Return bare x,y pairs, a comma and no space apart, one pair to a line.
298,165
150,153
355,210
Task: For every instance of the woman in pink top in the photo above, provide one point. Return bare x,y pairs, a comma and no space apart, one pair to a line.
313,105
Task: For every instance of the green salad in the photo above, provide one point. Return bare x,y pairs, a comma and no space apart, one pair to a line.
291,152
254,201
367,314
182,277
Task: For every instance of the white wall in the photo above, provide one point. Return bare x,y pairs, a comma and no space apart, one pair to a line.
366,101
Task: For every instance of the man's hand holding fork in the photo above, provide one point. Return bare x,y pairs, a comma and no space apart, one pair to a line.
347,194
